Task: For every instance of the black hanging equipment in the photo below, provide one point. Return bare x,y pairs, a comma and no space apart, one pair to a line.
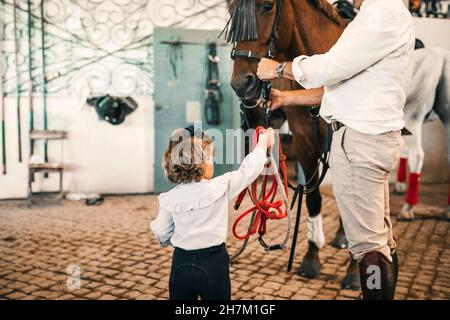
113,109
213,94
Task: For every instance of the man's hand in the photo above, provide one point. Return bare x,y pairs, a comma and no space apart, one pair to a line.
296,98
267,69
277,99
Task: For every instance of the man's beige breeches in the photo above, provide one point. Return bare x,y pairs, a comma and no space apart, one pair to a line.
360,166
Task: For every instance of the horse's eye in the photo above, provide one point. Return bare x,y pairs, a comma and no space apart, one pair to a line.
268,6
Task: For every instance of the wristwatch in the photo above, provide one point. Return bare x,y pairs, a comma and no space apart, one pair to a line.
280,69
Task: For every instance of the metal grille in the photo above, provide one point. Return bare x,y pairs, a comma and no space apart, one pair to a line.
95,47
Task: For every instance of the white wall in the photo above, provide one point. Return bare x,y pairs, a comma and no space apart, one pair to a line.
99,157
434,32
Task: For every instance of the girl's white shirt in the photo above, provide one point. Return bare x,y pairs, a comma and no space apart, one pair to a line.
195,215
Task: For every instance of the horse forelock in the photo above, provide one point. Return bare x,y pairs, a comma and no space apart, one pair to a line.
243,23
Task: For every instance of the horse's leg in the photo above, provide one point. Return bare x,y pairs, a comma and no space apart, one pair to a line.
310,266
306,153
351,280
415,157
400,185
340,240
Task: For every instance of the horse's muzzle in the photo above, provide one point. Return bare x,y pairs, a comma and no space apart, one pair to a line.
248,90
247,87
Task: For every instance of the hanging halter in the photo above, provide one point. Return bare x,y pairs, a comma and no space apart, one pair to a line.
213,94
265,205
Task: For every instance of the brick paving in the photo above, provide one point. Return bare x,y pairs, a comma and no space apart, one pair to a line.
119,259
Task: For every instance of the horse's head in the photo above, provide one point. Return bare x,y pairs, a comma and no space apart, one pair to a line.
257,27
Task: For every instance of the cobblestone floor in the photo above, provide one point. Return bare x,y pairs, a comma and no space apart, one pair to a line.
119,259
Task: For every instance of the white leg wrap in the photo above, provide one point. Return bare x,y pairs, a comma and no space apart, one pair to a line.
314,227
400,187
407,212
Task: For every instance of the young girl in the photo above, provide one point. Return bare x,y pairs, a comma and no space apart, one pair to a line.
193,216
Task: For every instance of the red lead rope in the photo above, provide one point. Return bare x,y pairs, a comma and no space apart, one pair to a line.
267,208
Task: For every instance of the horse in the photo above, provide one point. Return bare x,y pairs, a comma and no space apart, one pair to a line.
428,94
284,30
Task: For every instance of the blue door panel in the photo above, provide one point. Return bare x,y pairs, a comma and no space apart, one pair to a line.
180,72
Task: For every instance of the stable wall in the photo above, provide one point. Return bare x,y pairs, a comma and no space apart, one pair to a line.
99,157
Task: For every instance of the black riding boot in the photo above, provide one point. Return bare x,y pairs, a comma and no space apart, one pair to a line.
378,279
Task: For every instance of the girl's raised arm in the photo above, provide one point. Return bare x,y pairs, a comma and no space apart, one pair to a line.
250,169
252,166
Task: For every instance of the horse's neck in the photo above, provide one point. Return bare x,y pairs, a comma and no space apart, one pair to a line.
315,32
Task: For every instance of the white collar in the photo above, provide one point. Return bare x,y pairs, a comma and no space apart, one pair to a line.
191,196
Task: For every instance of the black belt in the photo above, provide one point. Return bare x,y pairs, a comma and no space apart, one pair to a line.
336,125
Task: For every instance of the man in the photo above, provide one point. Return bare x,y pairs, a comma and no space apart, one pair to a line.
360,84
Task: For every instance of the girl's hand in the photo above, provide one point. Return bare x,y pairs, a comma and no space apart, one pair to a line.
277,99
266,139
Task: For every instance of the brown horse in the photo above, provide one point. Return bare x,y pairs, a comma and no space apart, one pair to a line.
300,27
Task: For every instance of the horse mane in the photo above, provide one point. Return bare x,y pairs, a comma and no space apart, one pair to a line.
326,8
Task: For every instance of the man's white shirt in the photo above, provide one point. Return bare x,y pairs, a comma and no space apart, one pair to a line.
366,74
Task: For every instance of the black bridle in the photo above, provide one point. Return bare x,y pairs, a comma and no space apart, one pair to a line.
243,54
251,55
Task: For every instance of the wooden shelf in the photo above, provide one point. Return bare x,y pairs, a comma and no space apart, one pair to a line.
48,135
46,166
